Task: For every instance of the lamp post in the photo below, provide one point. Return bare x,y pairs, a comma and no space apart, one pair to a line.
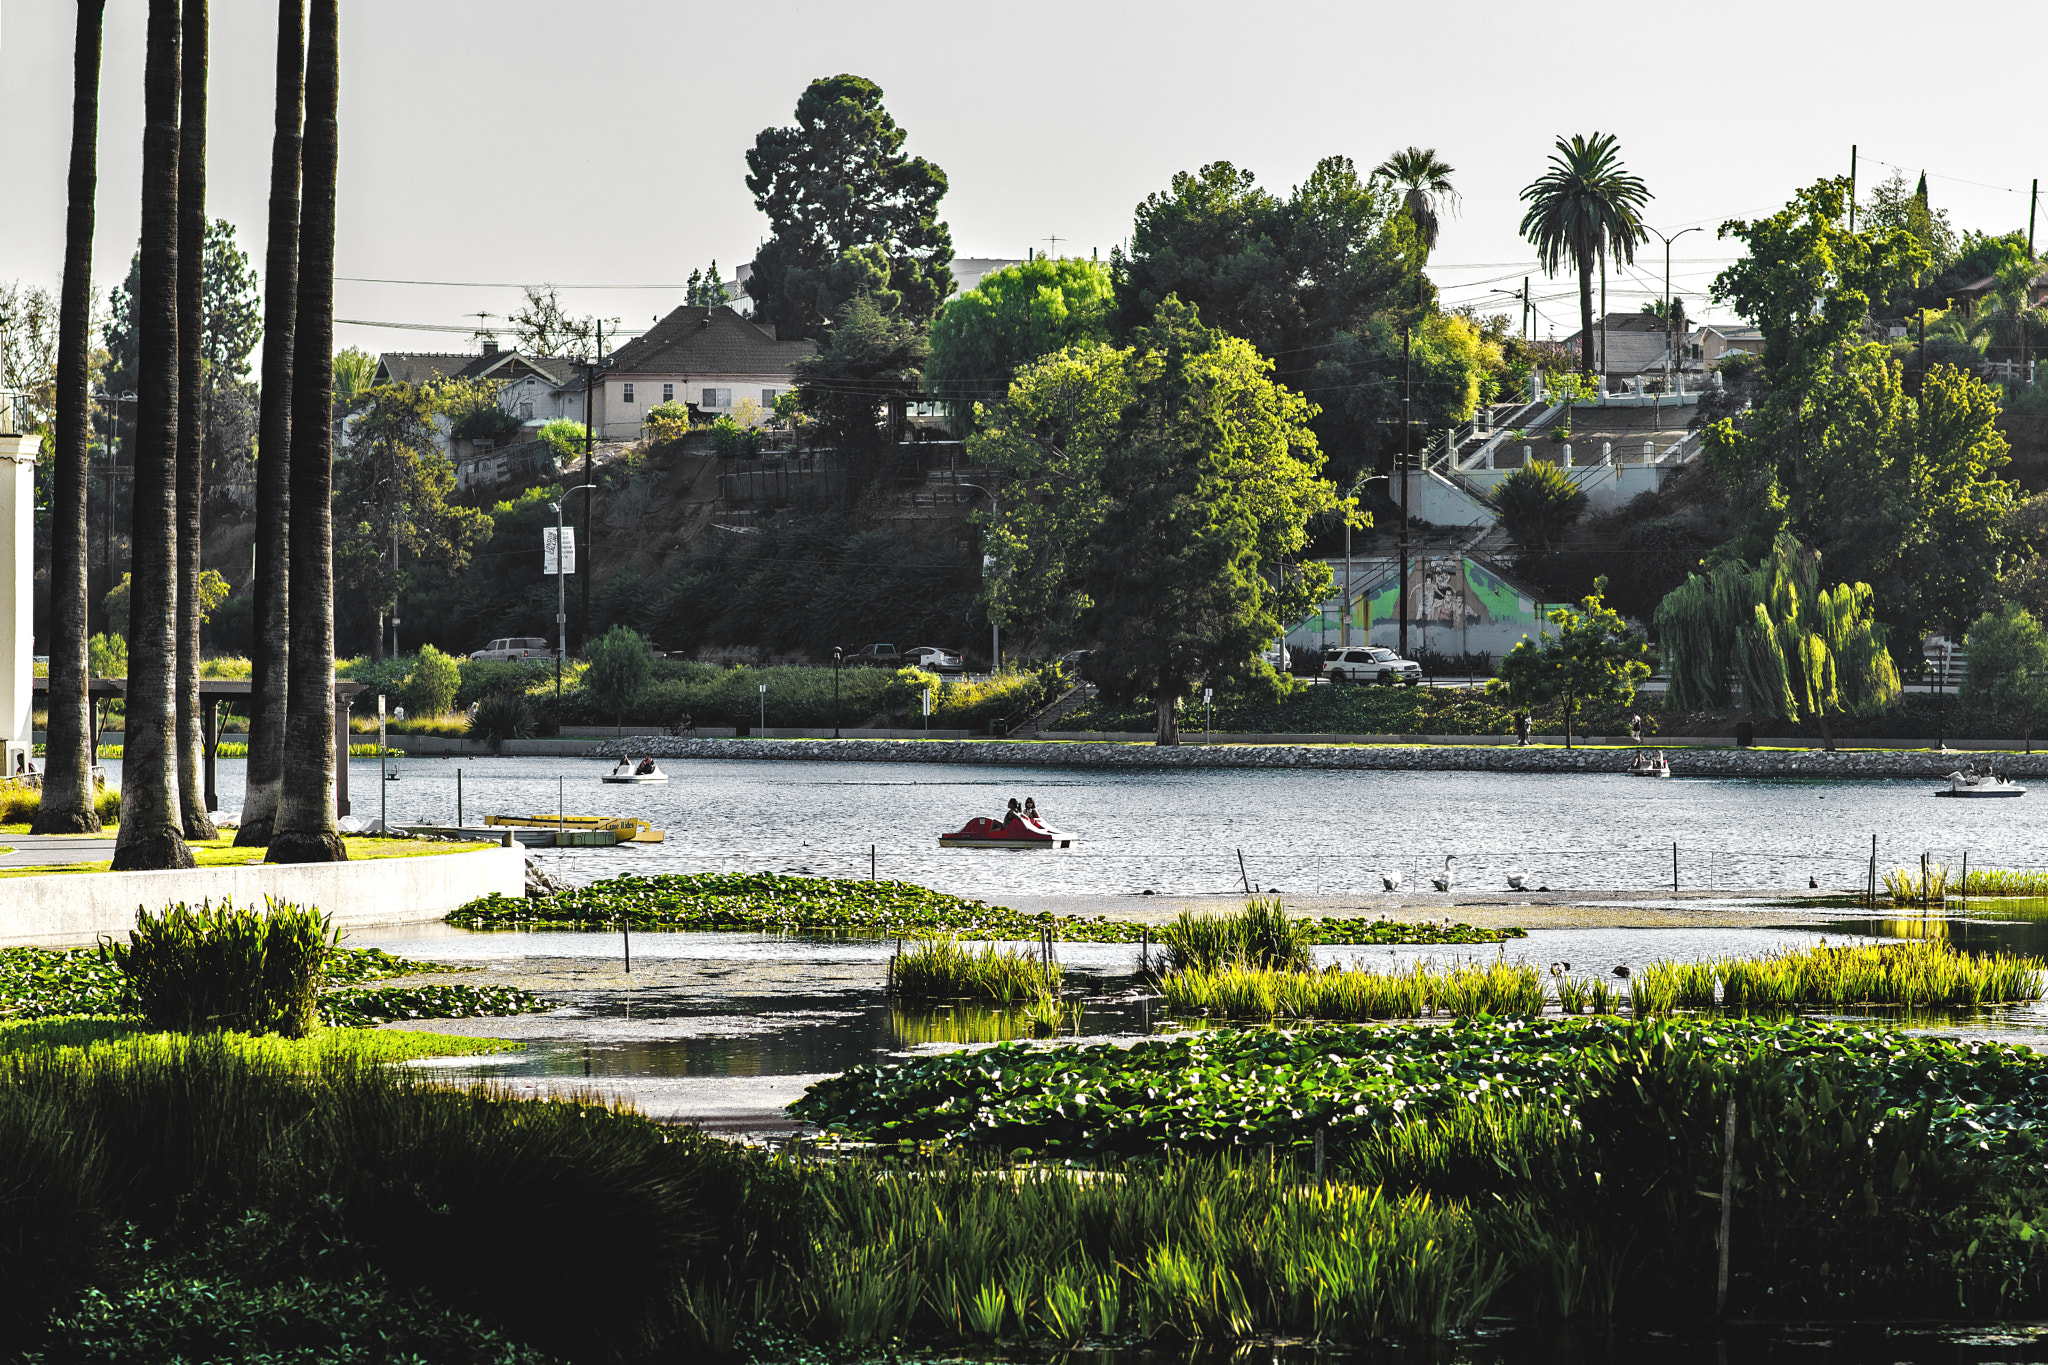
838,661
1667,241
562,596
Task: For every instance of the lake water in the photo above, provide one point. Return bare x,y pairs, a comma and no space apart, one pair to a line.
1180,832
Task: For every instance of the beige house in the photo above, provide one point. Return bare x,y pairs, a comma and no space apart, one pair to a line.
707,359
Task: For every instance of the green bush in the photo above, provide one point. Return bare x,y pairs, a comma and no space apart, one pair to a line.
734,441
620,663
481,677
20,806
223,968
502,716
430,691
564,437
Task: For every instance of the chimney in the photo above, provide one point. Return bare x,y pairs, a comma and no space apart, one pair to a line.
490,345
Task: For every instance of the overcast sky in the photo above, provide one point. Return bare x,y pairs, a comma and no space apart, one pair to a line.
603,144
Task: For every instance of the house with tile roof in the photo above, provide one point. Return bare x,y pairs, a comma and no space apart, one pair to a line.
705,358
535,388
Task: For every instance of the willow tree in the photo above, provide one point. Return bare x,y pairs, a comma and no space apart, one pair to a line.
1800,651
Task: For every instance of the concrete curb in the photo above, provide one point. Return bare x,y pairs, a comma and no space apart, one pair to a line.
79,907
1415,758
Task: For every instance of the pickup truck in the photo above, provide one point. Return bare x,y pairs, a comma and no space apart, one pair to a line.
884,656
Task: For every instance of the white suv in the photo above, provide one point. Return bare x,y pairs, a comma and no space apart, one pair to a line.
1370,664
516,647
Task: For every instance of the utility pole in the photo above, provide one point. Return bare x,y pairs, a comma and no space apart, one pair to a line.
394,579
1407,422
2033,202
1852,187
1525,308
1667,241
590,500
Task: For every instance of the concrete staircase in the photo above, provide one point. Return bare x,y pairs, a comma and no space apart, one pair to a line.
1048,719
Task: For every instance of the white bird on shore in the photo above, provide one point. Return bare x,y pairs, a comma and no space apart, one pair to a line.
1391,880
1518,880
1443,883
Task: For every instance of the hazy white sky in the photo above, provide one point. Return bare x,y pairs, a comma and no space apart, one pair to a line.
603,143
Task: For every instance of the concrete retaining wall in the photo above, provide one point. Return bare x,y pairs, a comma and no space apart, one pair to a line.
79,907
1418,758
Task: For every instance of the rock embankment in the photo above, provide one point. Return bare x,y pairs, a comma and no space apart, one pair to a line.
1415,758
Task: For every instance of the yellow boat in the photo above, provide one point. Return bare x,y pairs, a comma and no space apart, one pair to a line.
624,828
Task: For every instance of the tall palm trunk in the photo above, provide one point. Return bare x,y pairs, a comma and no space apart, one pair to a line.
1585,313
151,830
191,410
304,830
67,805
271,653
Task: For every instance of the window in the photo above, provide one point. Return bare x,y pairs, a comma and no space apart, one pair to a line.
627,393
668,393
717,398
768,397
526,412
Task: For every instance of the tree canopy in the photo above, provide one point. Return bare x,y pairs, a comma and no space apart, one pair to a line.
874,359
540,326
1582,208
706,288
1591,657
848,213
1015,315
2008,675
1154,500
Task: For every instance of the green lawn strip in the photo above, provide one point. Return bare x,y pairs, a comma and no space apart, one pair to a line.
93,1033
1239,1088
41,982
772,902
223,852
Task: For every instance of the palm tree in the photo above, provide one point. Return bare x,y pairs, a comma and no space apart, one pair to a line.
152,834
303,831
67,804
1426,181
1585,206
191,410
271,653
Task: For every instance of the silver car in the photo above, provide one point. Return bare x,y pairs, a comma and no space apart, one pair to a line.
516,647
1370,664
933,658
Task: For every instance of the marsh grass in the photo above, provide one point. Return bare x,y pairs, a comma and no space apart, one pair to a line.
219,967
1999,881
1494,988
20,807
944,968
1906,886
85,1033
1924,974
1261,935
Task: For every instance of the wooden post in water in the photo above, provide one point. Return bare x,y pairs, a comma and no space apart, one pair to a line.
871,862
1873,871
1966,882
1244,874
1674,867
1923,886
1727,1209
458,798
1319,1154
626,934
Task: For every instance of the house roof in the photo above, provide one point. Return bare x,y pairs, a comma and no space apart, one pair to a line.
699,340
422,367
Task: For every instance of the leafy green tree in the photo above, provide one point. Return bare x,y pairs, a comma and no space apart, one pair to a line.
1585,207
620,665
2008,675
436,677
1155,501
848,213
1537,504
1015,315
1801,652
565,438
1424,179
1895,205
1593,657
706,288
875,359
213,590
396,476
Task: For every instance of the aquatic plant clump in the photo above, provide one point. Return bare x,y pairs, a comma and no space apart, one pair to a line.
1262,935
1495,988
943,968
219,967
773,902
1217,1088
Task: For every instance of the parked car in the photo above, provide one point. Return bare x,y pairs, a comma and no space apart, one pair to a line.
516,647
1278,655
936,659
885,656
1370,664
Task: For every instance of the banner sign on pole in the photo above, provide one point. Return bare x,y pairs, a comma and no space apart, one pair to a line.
548,554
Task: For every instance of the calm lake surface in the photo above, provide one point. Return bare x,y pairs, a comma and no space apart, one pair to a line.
1180,832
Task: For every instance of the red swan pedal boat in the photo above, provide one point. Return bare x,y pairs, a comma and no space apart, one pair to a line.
1016,832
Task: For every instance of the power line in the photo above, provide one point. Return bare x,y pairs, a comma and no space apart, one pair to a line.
489,284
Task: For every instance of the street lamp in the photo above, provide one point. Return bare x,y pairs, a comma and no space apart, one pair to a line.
562,596
838,661
1667,241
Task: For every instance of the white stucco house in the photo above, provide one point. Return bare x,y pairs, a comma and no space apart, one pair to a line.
705,358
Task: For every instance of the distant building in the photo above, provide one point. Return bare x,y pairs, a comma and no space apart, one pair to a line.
1634,344
707,359
1717,341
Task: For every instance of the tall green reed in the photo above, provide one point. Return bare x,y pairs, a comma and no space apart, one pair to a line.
218,967
944,968
1261,935
1250,993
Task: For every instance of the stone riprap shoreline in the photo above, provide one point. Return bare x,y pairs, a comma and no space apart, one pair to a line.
1415,758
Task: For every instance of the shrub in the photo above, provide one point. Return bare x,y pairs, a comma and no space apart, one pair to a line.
430,691
564,437
107,656
21,806
223,968
502,716
481,677
1537,504
904,695
734,441
665,422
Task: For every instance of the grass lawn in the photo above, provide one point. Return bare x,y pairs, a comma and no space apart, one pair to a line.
100,1033
222,852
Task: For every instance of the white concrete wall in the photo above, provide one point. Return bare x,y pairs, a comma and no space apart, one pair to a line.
17,581
1606,487
79,907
